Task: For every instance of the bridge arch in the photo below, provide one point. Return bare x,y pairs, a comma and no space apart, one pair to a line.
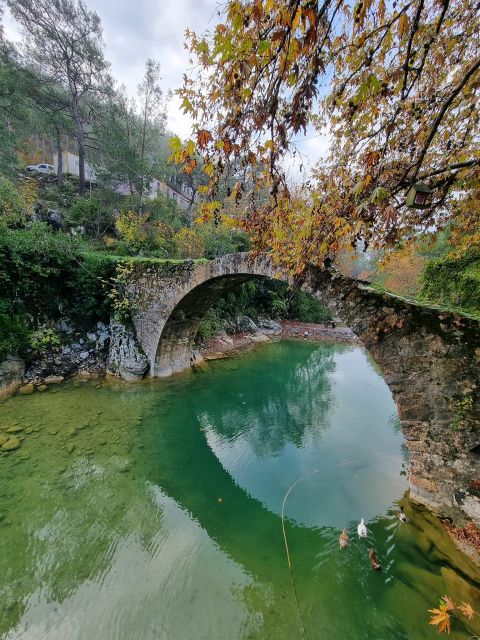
429,359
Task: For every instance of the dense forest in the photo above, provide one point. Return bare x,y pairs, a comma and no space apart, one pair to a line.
139,193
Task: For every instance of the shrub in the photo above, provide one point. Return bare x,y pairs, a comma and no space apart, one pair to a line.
305,308
220,240
210,324
44,339
90,213
189,244
454,281
140,234
166,211
16,205
44,274
13,331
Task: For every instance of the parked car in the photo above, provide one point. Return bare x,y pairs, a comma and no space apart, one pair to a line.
41,168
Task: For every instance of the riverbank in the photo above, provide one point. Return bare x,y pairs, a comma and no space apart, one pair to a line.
86,354
223,345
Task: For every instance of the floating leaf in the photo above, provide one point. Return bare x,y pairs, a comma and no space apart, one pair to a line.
467,610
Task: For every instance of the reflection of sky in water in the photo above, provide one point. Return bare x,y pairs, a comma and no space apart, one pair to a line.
341,410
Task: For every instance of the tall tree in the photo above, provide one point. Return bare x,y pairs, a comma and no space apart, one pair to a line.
130,132
64,39
397,85
153,117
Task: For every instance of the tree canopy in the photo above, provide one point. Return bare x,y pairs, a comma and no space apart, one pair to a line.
395,83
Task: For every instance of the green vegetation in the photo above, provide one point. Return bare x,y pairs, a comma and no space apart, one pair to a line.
454,281
45,276
267,298
64,241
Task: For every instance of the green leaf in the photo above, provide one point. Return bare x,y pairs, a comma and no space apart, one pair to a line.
237,22
264,46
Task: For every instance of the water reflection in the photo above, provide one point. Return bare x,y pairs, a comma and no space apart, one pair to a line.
273,410
162,521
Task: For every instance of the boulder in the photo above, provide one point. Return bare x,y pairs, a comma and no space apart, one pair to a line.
42,387
245,324
55,219
65,326
197,360
259,336
224,337
269,326
54,379
125,358
26,389
12,370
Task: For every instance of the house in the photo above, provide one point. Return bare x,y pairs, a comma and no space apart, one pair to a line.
182,195
70,166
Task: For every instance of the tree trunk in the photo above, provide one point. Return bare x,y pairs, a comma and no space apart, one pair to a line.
81,165
59,159
81,150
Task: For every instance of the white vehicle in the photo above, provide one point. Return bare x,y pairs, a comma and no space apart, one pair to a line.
41,168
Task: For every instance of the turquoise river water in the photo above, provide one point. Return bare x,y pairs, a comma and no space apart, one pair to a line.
153,511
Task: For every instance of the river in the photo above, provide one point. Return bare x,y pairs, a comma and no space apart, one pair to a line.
153,511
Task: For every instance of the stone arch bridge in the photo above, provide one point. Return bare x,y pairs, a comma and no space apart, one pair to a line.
429,359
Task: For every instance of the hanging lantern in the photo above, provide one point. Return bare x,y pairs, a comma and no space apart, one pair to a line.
418,196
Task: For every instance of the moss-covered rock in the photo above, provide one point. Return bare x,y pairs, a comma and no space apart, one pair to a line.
11,444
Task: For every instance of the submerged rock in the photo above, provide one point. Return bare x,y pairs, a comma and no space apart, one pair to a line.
11,444
27,389
3,439
14,429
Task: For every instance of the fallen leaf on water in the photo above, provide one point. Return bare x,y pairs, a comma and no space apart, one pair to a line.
467,610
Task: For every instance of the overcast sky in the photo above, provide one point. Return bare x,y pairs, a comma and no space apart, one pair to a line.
135,30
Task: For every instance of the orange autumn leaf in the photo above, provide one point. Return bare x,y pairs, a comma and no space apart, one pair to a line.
190,166
368,179
203,137
440,619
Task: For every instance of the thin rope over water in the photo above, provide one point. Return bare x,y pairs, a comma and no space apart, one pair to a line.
287,550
